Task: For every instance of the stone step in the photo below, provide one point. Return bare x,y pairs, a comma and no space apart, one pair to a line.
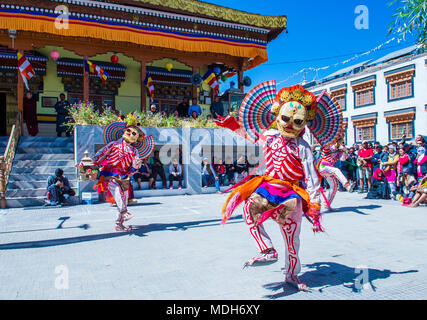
51,156
31,193
17,163
20,185
47,139
37,144
35,201
45,150
38,177
42,170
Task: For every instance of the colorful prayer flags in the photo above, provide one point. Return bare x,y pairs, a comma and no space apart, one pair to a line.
211,80
148,82
25,69
93,68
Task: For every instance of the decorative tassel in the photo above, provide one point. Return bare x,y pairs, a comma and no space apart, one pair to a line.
234,202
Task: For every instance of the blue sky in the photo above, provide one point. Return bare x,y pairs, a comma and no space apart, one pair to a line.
318,29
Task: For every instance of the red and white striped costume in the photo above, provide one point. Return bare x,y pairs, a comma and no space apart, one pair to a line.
288,159
117,159
330,155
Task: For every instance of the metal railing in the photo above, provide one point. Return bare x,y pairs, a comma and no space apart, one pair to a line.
6,160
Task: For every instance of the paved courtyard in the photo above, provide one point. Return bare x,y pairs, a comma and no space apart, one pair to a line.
371,250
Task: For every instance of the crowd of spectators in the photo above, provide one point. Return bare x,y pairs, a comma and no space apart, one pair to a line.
185,110
395,171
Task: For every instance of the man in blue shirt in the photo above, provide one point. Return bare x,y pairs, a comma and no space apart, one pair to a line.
194,107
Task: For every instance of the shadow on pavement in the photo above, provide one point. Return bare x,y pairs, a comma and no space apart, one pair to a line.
331,274
138,230
355,209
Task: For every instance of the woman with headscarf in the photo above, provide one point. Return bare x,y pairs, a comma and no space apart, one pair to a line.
421,162
389,170
379,186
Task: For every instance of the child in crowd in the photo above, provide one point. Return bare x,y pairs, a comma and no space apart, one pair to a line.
220,171
384,158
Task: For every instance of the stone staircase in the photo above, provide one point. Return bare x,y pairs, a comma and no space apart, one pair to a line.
3,144
35,160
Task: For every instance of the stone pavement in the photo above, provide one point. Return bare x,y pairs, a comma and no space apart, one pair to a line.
372,249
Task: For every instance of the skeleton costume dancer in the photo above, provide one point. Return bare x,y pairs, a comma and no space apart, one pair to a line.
279,193
126,146
330,155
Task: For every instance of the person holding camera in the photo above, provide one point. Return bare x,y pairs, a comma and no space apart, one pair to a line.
58,188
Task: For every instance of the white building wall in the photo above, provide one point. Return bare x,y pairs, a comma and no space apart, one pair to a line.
419,100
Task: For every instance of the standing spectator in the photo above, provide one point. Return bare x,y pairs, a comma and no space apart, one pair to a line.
384,157
405,165
144,173
389,168
58,188
365,165
209,175
194,108
421,162
240,168
30,113
220,171
157,167
61,108
217,108
420,141
376,158
175,173
183,108
352,165
229,170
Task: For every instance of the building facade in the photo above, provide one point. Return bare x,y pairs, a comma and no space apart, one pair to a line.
381,100
145,36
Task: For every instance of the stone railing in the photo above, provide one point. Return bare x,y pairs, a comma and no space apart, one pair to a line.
6,160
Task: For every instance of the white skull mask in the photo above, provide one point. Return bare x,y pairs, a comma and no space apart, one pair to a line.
131,135
291,119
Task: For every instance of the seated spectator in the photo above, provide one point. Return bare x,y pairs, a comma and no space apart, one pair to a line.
420,193
421,162
144,174
58,188
209,117
209,175
157,169
252,164
229,170
379,186
175,173
405,184
240,168
220,171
